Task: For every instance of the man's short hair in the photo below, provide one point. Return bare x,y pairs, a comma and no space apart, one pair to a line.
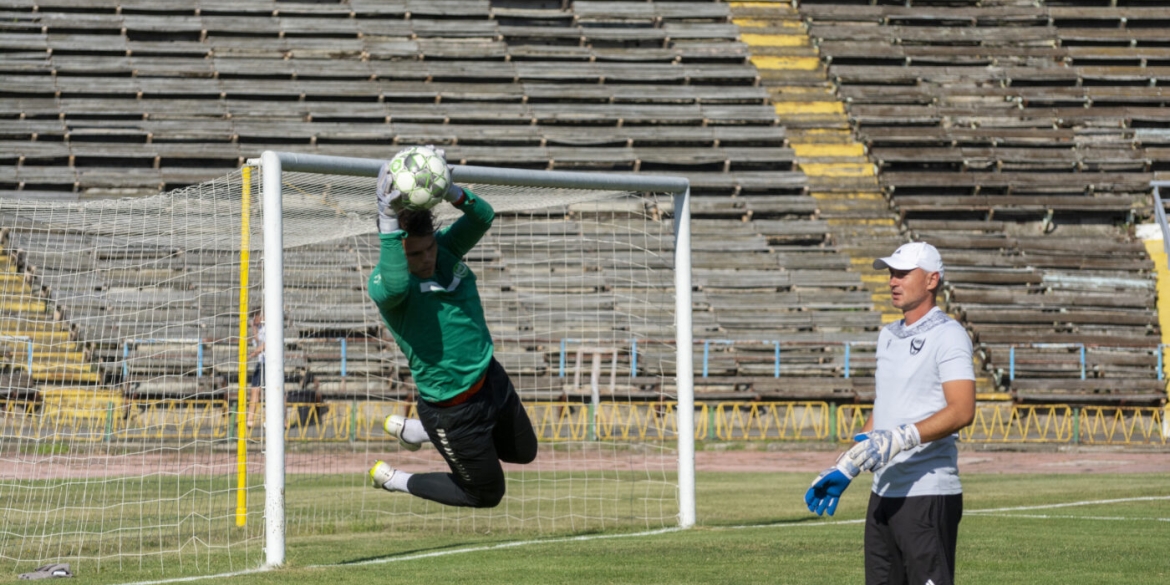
417,223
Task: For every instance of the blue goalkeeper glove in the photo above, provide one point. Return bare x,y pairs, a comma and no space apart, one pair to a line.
389,201
880,447
825,492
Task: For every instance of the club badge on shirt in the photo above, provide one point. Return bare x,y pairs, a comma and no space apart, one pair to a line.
916,345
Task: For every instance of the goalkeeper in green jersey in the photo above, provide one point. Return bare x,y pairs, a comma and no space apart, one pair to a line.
468,408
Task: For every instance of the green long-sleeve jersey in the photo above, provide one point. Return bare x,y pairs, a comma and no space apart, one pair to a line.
438,322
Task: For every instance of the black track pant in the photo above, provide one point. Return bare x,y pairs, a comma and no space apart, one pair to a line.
474,437
911,541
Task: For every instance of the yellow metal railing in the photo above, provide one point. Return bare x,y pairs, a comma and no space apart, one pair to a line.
575,421
791,421
1044,423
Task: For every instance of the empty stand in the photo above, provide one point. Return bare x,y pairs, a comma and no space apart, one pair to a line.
1010,137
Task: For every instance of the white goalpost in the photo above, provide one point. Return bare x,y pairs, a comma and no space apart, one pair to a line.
273,166
127,386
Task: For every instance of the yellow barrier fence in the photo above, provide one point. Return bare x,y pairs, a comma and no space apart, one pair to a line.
1044,423
575,421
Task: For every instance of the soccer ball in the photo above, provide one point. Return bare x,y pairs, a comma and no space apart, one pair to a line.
421,175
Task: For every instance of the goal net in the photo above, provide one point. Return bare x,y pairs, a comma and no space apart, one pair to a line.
135,433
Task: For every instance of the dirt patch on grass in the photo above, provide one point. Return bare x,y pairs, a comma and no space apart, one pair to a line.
657,458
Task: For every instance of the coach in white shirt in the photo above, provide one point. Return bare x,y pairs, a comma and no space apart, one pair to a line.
925,394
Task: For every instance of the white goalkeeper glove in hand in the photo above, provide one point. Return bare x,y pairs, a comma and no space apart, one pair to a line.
454,194
878,448
825,492
389,201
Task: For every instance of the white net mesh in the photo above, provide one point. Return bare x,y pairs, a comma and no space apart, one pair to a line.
122,330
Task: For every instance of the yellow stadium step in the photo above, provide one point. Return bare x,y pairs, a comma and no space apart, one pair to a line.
69,374
39,337
760,40
802,93
814,150
878,222
59,356
13,284
80,403
755,23
809,108
787,63
849,196
822,135
31,322
22,306
838,170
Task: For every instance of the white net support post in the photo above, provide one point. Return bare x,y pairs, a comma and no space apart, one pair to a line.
274,165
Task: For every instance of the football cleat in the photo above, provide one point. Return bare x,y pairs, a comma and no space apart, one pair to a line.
380,473
393,426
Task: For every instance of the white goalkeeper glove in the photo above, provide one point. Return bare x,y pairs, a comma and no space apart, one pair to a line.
454,194
389,201
878,448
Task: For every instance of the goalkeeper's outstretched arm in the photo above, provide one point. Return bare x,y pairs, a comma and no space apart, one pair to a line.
466,232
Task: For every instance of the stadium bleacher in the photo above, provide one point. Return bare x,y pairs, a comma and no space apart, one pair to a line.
111,99
1019,138
1009,136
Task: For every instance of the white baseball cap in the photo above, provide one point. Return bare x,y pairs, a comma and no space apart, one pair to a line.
911,256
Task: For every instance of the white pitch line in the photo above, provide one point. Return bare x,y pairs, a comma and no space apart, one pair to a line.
800,524
201,577
1069,505
1066,517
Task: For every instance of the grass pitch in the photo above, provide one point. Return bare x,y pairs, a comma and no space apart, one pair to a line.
753,528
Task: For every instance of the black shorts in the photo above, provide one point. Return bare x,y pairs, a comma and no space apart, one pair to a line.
911,540
474,437
258,376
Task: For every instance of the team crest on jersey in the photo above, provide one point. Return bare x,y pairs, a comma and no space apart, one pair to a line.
916,345
461,270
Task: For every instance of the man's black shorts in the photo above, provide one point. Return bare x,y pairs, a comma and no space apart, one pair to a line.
911,540
474,436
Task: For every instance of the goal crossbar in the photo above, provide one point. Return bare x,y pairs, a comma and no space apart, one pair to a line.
273,164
